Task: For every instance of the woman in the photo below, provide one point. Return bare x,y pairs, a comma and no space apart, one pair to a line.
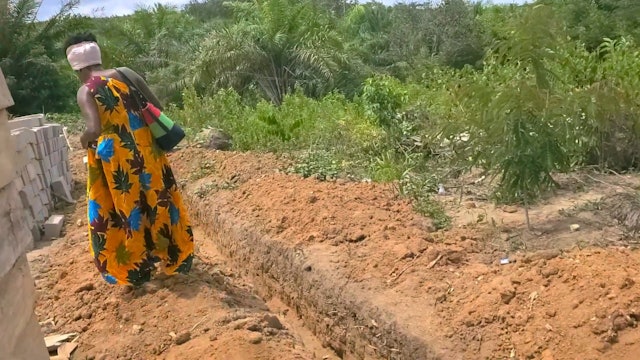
137,220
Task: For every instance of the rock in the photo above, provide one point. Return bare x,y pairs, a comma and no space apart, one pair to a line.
312,199
510,209
408,255
273,322
549,271
603,347
507,295
599,327
136,329
182,338
213,337
219,140
620,323
550,313
85,287
151,287
455,256
79,223
546,355
254,327
356,237
87,314
255,338
542,255
470,205
574,227
627,283
307,267
77,316
270,332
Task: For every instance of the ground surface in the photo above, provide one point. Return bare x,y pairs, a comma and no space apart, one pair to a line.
564,295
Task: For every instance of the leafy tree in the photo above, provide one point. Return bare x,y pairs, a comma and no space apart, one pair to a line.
275,45
514,111
30,59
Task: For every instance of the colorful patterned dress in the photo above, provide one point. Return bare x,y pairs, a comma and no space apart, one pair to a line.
136,215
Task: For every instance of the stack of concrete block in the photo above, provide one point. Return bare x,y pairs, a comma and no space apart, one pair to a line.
20,334
42,172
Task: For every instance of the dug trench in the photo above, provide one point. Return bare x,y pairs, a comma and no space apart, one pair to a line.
351,271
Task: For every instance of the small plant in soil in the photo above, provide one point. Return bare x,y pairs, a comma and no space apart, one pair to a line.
318,163
420,189
202,170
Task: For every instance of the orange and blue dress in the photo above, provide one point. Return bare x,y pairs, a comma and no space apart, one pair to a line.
137,219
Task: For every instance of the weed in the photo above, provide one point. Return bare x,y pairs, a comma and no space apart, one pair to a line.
420,188
318,163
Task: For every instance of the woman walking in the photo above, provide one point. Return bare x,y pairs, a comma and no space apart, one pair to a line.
137,221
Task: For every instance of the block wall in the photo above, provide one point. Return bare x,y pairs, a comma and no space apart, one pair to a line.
20,334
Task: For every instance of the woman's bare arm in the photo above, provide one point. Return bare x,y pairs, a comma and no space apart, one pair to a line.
89,111
141,85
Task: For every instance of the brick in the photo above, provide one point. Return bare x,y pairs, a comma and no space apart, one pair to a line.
18,183
29,121
7,157
36,208
42,215
53,227
60,187
44,197
54,173
56,130
39,150
22,137
21,160
31,170
41,133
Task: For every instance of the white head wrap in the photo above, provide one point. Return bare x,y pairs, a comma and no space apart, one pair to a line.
84,54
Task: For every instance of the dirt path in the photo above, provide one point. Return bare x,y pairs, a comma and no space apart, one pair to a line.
210,314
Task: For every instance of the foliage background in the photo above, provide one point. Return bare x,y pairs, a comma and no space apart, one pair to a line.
415,93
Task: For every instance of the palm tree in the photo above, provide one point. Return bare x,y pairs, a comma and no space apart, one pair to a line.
28,55
276,45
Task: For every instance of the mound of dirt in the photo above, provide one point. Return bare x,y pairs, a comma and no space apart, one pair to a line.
552,299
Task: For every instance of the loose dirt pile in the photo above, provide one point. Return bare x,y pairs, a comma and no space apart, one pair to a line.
569,290
560,297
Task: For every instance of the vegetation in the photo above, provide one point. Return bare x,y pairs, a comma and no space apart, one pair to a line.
415,93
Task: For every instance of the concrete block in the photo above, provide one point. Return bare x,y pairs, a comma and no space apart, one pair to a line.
18,183
36,208
54,173
31,170
22,338
39,151
21,160
29,121
61,188
53,227
22,137
44,197
56,131
6,100
36,233
42,215
7,157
